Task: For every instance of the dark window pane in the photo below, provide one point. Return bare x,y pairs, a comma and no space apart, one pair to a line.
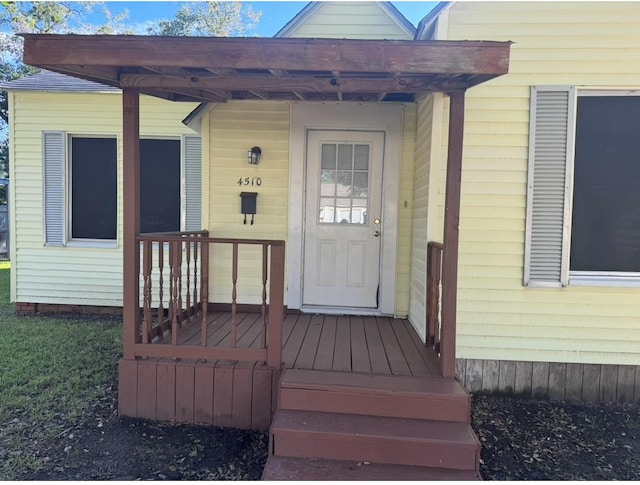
605,233
93,188
159,185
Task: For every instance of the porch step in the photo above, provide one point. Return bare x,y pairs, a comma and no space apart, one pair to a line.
287,468
374,395
375,439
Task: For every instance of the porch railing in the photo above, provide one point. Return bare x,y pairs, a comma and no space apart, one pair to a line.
174,285
435,326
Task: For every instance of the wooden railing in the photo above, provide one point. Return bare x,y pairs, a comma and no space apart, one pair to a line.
434,324
175,291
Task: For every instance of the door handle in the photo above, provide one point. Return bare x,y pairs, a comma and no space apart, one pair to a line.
376,234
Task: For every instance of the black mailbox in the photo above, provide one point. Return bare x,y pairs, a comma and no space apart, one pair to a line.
248,204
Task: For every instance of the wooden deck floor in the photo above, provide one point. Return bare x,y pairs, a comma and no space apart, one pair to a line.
373,345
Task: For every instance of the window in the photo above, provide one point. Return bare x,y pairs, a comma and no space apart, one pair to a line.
159,185
605,227
94,188
583,199
80,187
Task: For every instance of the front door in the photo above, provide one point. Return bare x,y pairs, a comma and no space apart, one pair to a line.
343,207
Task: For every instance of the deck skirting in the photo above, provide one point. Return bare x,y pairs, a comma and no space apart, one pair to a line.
552,380
221,393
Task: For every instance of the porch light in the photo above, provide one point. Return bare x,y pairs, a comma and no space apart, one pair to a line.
253,155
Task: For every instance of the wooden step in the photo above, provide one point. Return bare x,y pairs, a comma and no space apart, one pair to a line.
374,395
375,439
288,468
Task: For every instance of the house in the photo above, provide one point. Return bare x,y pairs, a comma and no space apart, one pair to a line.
548,281
364,177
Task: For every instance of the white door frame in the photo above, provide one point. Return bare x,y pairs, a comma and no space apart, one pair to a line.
335,117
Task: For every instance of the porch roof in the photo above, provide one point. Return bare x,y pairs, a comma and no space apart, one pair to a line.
210,69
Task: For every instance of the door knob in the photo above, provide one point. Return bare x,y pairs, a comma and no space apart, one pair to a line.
376,234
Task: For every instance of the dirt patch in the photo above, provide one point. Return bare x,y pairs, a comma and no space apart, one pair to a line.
521,440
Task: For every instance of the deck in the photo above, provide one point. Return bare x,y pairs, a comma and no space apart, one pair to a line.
372,345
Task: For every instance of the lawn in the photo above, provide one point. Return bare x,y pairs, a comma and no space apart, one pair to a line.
52,369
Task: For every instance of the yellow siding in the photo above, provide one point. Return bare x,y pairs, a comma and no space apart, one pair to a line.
350,20
89,276
405,211
234,128
590,44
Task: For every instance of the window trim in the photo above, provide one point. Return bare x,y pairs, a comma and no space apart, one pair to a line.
70,241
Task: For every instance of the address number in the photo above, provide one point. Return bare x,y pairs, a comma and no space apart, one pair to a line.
250,181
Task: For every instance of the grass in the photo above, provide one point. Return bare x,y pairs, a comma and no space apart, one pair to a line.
51,371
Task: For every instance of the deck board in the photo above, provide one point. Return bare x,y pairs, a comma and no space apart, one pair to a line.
370,345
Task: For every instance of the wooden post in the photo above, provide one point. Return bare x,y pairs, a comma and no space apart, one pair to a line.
451,233
276,306
131,211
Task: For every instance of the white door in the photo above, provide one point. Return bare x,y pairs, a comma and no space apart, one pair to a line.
342,232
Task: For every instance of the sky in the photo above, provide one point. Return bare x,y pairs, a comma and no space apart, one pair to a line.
274,14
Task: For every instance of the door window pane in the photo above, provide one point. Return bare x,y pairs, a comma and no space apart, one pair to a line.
344,184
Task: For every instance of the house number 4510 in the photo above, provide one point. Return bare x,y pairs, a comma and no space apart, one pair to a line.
250,181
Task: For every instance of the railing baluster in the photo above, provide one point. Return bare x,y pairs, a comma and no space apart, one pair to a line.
263,335
204,288
197,246
434,275
234,294
188,243
146,290
160,288
173,288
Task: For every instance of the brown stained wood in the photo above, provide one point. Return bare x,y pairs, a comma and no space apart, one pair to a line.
309,347
417,57
263,303
242,395
289,323
203,393
413,358
507,376
252,331
223,338
147,389
276,305
573,387
376,439
234,294
128,387
223,393
451,234
326,344
342,354
491,376
131,221
608,383
396,359
146,290
524,374
474,375
261,398
591,382
196,352
557,381
360,354
294,342
540,380
429,356
377,355
626,378
636,393
295,84
166,390
185,387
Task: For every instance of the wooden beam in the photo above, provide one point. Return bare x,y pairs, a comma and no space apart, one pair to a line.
297,84
131,225
445,57
451,234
